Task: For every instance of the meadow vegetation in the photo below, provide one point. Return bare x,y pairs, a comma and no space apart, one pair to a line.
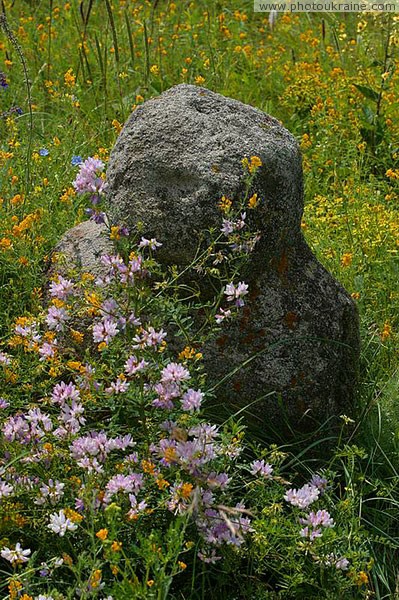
114,484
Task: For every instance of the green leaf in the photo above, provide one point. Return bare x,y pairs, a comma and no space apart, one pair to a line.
367,92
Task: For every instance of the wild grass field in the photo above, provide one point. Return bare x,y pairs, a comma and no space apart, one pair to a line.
103,492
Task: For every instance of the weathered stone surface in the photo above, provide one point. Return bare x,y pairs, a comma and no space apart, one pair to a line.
81,248
180,152
300,331
293,351
297,336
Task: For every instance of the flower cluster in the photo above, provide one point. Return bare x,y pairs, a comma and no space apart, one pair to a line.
90,180
118,443
3,80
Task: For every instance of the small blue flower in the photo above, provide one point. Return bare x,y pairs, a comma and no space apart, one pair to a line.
43,152
76,160
3,80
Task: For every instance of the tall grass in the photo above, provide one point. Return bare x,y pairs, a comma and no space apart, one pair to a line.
332,80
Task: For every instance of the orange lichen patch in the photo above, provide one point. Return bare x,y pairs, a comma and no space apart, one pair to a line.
291,320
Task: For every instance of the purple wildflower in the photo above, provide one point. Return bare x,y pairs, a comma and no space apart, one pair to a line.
341,563
123,483
222,315
88,179
105,331
4,403
191,400
236,293
320,518
217,528
52,492
302,497
149,338
6,489
91,451
133,365
117,387
71,419
3,80
227,227
259,467
217,480
98,217
153,244
181,495
63,392
209,557
26,428
136,507
166,393
56,318
174,373
28,331
319,482
48,350
4,359
62,288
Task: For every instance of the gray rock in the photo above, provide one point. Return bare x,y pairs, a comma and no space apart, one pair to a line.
293,352
180,152
80,249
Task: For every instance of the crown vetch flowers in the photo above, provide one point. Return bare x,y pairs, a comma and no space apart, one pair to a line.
16,556
60,524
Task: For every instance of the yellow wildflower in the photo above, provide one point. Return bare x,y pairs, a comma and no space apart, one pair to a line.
386,331
74,516
306,142
162,483
251,164
5,243
74,365
392,174
189,353
70,78
148,467
67,195
115,235
116,125
362,578
116,546
253,201
255,163
102,534
186,490
95,579
14,587
225,204
346,259
17,199
68,560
